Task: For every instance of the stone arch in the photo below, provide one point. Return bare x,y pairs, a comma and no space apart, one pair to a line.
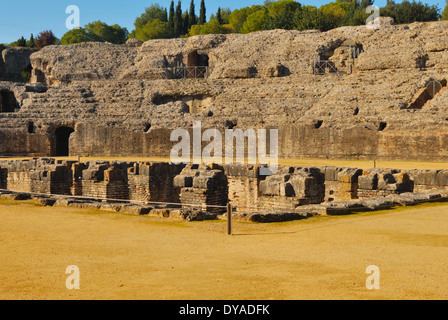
8,101
196,59
197,64
62,141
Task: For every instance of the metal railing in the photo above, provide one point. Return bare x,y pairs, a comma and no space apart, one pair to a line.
199,72
183,72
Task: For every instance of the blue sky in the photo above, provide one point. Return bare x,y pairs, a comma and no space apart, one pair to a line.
24,17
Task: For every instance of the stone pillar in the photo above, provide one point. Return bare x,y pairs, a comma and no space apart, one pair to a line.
203,187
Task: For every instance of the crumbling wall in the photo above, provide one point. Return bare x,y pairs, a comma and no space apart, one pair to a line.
211,187
39,176
429,179
291,187
383,182
244,186
341,183
13,61
105,180
204,187
153,181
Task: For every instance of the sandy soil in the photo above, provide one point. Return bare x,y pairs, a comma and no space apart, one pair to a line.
131,257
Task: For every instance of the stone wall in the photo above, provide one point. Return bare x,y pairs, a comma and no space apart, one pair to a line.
126,106
154,181
380,182
39,176
244,185
211,187
203,187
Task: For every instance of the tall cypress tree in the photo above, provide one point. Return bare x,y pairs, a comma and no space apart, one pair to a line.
202,13
171,16
165,16
186,22
218,16
31,43
192,16
178,22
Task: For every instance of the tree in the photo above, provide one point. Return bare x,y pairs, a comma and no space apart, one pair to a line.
171,16
445,12
192,16
155,29
239,16
211,27
21,42
256,21
100,31
31,43
408,12
45,38
185,22
282,14
225,15
155,11
202,13
219,17
178,22
309,17
76,36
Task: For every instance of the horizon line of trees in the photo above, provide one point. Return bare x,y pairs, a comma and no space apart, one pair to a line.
158,22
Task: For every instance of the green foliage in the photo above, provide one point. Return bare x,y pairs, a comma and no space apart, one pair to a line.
185,22
202,13
219,17
311,17
239,16
211,27
100,31
445,12
408,12
154,12
21,42
31,43
178,20
192,19
282,14
256,21
171,16
25,77
96,31
76,36
154,29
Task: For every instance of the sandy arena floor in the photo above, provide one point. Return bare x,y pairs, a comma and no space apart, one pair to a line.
131,257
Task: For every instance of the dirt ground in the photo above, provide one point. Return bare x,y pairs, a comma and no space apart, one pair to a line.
134,257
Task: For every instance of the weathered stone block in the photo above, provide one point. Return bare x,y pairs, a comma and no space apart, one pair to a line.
183,181
368,181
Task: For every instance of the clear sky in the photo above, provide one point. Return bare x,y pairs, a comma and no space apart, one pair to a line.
23,17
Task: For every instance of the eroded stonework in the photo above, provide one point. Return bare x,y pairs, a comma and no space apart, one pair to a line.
125,100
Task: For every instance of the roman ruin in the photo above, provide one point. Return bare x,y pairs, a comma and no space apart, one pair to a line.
349,93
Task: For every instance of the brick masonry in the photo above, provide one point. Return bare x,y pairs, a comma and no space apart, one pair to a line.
214,185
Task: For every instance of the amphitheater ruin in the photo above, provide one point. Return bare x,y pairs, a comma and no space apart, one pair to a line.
349,93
